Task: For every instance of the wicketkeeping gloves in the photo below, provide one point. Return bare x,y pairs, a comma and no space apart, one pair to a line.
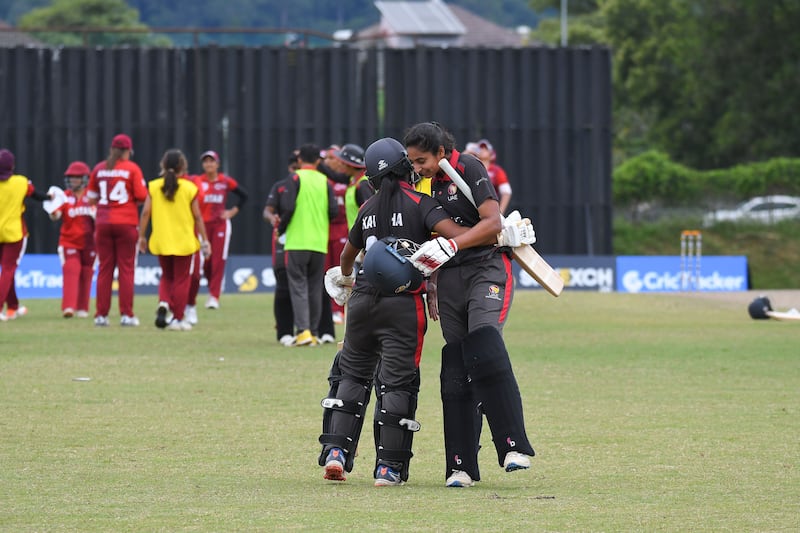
433,254
516,231
337,285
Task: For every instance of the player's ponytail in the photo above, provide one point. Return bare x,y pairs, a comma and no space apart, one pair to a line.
173,165
390,186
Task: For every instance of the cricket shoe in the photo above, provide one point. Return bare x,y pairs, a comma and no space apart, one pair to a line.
190,314
212,303
287,340
68,312
334,465
161,315
101,321
327,339
516,461
13,314
338,318
128,321
179,325
386,476
82,314
305,338
459,478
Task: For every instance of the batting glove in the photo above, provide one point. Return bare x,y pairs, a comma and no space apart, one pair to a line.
516,231
337,285
433,254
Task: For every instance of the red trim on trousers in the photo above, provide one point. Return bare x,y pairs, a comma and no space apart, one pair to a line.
509,288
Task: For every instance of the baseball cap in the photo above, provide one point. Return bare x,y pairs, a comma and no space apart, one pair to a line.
77,168
472,148
484,143
352,155
210,153
122,141
330,150
6,164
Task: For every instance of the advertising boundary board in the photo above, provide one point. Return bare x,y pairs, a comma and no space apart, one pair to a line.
39,275
668,273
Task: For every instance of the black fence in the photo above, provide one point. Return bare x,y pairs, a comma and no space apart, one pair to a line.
547,111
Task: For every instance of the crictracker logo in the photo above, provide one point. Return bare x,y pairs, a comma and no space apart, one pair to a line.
37,279
636,281
662,274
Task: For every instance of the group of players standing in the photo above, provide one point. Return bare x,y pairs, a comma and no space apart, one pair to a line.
468,287
347,186
101,225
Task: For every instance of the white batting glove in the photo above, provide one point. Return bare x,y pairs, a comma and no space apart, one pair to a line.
340,279
433,254
516,231
337,285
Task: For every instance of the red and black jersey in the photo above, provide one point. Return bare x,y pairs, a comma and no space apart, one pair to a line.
413,217
276,201
459,207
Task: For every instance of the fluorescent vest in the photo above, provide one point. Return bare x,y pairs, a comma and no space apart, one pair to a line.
308,229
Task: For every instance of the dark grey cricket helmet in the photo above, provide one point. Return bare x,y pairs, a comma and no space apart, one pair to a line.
758,308
351,154
387,267
386,156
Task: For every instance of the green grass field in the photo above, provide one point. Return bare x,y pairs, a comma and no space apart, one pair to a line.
648,413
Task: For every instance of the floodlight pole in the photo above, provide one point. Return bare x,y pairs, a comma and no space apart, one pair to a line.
564,22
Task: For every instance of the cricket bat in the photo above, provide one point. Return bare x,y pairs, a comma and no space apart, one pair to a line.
792,315
530,261
340,344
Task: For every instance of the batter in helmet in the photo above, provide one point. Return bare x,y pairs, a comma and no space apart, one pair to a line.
386,321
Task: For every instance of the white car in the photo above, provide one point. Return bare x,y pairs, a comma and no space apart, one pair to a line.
766,209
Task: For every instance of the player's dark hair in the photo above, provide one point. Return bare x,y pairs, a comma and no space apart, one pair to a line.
388,201
173,164
293,158
428,137
309,153
114,155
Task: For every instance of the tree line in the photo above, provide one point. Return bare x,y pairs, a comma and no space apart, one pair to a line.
710,83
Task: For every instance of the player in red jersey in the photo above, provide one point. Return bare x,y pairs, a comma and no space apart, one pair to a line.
337,236
116,187
497,175
76,241
349,160
214,187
